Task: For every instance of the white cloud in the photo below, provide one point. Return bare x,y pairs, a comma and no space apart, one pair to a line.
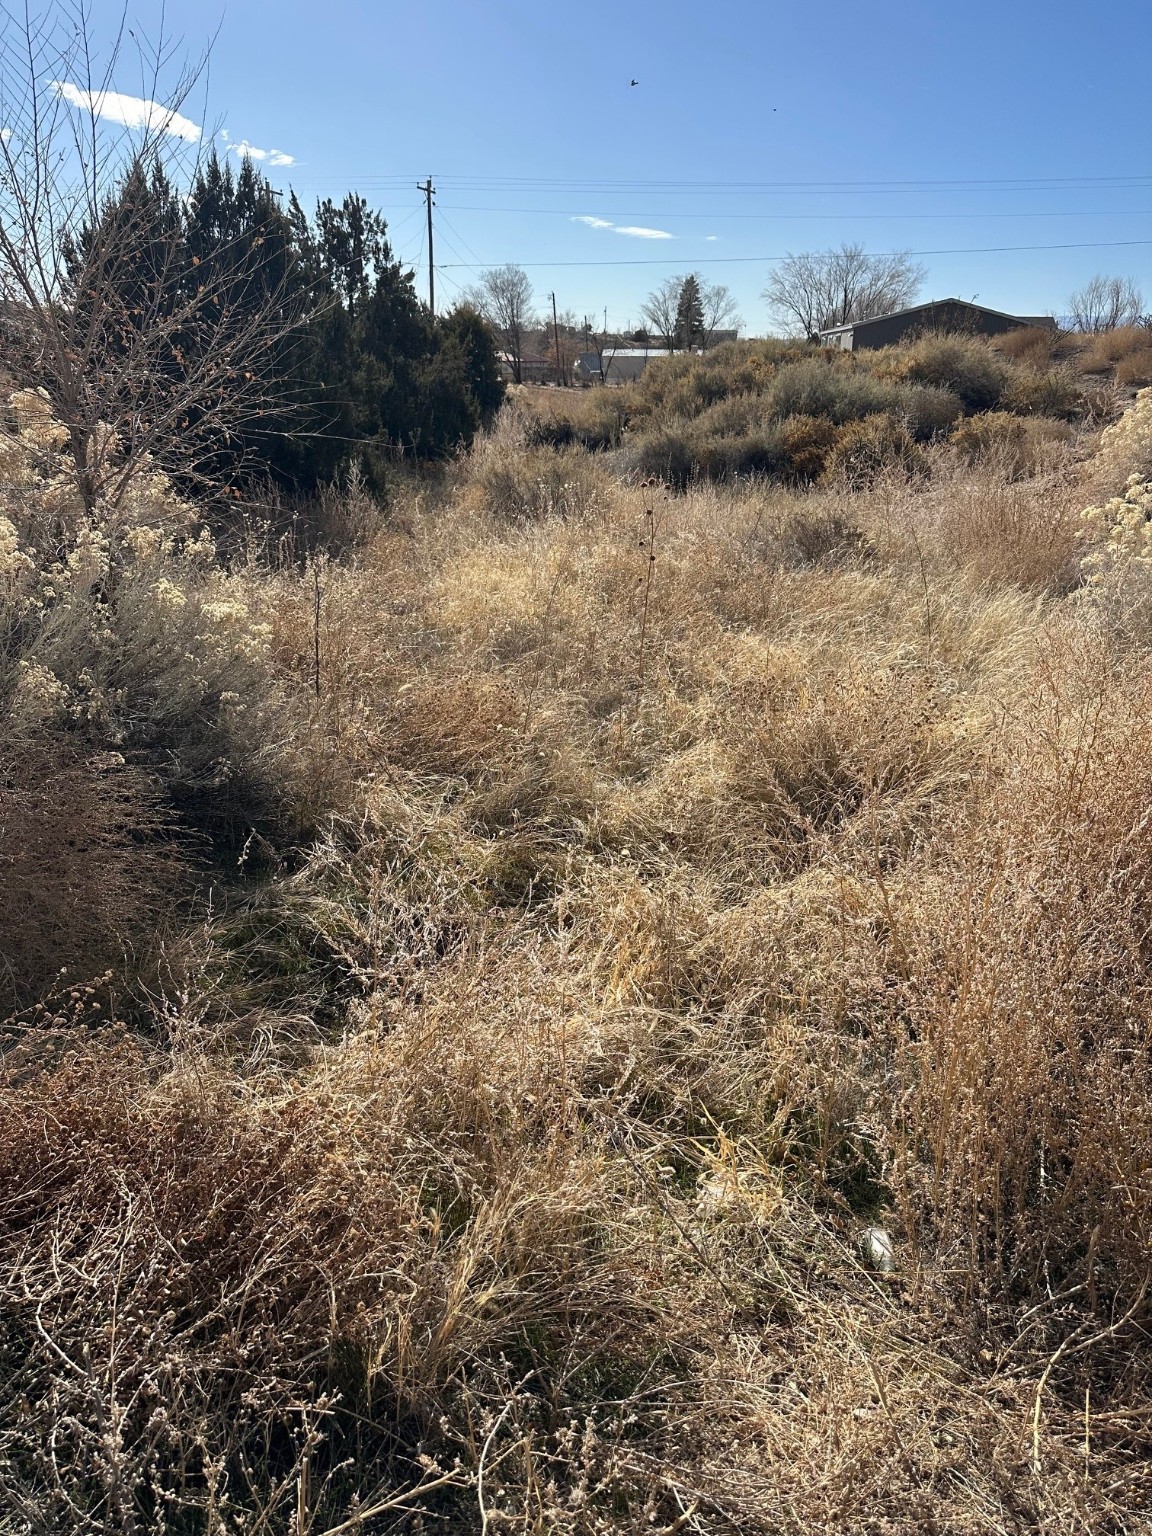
248,151
130,111
711,237
637,231
5,135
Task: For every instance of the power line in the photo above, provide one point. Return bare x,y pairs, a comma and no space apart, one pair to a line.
463,261
453,230
704,213
394,228
864,187
714,261
451,281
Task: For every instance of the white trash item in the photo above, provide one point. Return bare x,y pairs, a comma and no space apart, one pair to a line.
876,1249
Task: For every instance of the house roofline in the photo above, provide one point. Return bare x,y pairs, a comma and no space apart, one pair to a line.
912,309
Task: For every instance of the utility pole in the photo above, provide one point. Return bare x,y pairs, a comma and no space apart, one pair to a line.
428,189
556,339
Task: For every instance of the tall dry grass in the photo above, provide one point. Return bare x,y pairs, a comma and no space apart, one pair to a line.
656,892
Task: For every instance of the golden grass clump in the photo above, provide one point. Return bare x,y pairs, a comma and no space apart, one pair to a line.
593,1009
1110,349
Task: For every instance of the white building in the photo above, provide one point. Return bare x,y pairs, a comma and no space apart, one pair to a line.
621,365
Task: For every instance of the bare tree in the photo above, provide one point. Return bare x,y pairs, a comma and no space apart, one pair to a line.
596,345
504,297
815,290
1105,303
660,309
142,358
719,307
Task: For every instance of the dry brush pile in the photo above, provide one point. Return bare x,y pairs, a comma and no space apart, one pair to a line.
470,994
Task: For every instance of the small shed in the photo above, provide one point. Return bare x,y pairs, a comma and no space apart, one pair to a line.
953,315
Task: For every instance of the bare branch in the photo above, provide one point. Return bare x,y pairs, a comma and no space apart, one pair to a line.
814,290
148,352
1104,304
504,297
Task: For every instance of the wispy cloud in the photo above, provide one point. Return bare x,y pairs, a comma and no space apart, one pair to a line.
248,151
636,231
711,237
129,111
5,135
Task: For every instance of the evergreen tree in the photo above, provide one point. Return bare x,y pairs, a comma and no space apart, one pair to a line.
690,314
243,249
364,369
468,331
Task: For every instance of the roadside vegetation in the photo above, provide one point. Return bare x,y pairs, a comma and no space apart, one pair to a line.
577,964
796,413
475,978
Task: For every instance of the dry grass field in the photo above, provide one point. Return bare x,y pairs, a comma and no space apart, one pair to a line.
474,988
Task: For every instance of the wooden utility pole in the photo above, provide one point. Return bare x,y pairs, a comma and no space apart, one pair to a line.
556,339
428,189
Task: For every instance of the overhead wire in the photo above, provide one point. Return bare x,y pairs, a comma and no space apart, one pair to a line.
462,261
1068,213
712,261
869,186
445,222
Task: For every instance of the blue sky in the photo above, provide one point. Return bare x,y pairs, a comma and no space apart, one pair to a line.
755,129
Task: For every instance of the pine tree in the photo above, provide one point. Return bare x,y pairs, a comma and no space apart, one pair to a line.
689,315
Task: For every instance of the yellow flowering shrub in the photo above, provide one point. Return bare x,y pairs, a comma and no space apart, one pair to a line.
1120,532
35,424
13,560
1126,446
123,628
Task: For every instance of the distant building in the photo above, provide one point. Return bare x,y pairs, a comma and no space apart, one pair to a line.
622,365
534,369
953,315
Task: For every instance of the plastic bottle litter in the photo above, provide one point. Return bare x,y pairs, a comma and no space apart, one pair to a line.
876,1249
